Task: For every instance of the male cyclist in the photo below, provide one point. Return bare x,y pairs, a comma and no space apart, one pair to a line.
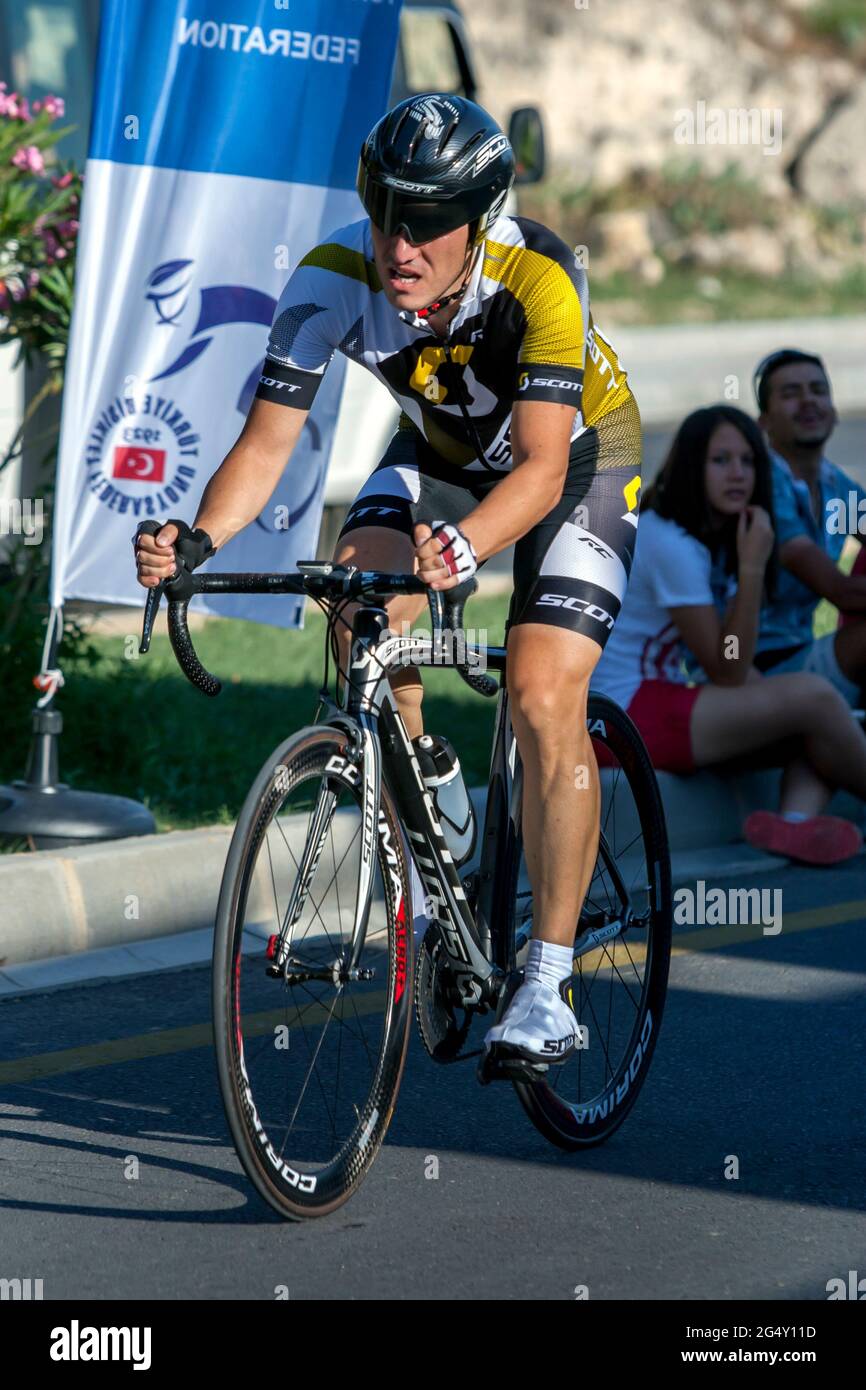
518,428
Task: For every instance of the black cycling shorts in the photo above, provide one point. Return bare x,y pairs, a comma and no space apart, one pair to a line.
572,568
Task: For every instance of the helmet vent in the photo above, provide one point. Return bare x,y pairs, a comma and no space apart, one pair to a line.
472,141
446,134
420,133
401,121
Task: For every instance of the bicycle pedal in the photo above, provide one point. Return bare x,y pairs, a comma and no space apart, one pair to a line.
501,1063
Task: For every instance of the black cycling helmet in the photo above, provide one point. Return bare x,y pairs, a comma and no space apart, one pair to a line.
432,164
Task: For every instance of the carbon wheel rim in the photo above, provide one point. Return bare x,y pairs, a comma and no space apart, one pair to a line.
314,1062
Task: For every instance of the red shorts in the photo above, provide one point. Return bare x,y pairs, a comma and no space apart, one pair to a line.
662,712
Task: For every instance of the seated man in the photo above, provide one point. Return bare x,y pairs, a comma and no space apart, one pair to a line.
813,502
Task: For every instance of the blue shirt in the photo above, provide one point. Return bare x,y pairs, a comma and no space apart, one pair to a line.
788,620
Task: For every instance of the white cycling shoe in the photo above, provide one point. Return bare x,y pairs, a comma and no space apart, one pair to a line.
538,1024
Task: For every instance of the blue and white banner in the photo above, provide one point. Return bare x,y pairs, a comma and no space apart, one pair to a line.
224,144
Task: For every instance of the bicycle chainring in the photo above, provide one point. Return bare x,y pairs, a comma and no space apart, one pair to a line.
443,1032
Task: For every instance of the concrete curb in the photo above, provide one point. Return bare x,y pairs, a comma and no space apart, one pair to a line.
57,903
122,893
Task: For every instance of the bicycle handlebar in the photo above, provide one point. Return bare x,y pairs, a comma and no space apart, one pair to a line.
319,579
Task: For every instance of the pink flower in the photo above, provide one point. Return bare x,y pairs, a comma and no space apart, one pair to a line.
32,279
64,181
55,106
13,105
68,228
29,157
60,253
37,106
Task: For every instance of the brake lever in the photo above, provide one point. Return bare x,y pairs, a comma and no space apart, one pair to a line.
151,608
179,586
450,603
154,594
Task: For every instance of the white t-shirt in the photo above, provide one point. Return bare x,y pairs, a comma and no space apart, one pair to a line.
671,569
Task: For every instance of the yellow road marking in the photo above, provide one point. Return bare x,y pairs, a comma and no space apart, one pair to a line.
685,943
106,1054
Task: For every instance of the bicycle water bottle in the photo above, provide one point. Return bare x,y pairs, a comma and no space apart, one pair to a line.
440,768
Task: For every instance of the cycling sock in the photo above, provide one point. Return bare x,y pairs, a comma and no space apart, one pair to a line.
548,962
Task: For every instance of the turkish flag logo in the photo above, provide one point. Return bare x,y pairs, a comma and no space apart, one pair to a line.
144,465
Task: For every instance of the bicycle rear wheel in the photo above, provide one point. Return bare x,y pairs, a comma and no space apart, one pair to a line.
619,984
310,1062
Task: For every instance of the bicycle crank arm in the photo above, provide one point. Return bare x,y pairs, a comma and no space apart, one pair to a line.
591,937
599,936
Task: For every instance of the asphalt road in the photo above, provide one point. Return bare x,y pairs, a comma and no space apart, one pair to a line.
761,1056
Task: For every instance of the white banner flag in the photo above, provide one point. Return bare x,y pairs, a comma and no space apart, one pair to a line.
224,145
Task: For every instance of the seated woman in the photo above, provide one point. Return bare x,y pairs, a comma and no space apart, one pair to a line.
702,567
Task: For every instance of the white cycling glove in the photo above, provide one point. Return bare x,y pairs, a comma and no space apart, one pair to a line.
458,553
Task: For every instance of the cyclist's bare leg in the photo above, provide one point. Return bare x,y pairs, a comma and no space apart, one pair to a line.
548,681
378,548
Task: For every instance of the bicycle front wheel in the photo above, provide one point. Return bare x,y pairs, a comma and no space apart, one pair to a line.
310,1060
622,947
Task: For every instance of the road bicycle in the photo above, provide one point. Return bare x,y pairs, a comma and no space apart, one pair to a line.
315,975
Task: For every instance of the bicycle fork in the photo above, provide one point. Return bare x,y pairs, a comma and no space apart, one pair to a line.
364,767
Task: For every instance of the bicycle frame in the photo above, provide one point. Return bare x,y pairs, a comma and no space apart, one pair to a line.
478,954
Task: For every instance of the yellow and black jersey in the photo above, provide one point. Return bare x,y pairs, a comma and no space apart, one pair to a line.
524,331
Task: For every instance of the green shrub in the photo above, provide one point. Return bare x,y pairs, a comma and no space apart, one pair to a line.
842,20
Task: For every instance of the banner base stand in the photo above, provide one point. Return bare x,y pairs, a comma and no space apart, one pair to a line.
47,814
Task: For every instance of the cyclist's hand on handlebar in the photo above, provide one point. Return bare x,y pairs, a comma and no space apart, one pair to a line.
445,556
154,555
157,548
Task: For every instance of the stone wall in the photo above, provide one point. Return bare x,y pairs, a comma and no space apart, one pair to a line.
615,77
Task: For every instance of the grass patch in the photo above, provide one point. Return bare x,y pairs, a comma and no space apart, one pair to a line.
138,728
691,296
844,21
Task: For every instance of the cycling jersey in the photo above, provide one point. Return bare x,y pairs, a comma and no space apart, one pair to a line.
524,331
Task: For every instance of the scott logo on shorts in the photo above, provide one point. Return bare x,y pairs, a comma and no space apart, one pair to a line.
577,605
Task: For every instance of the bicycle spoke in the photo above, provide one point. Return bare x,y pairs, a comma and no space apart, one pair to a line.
322,1094
584,1098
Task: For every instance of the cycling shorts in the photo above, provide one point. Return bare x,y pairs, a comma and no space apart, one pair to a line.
571,569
